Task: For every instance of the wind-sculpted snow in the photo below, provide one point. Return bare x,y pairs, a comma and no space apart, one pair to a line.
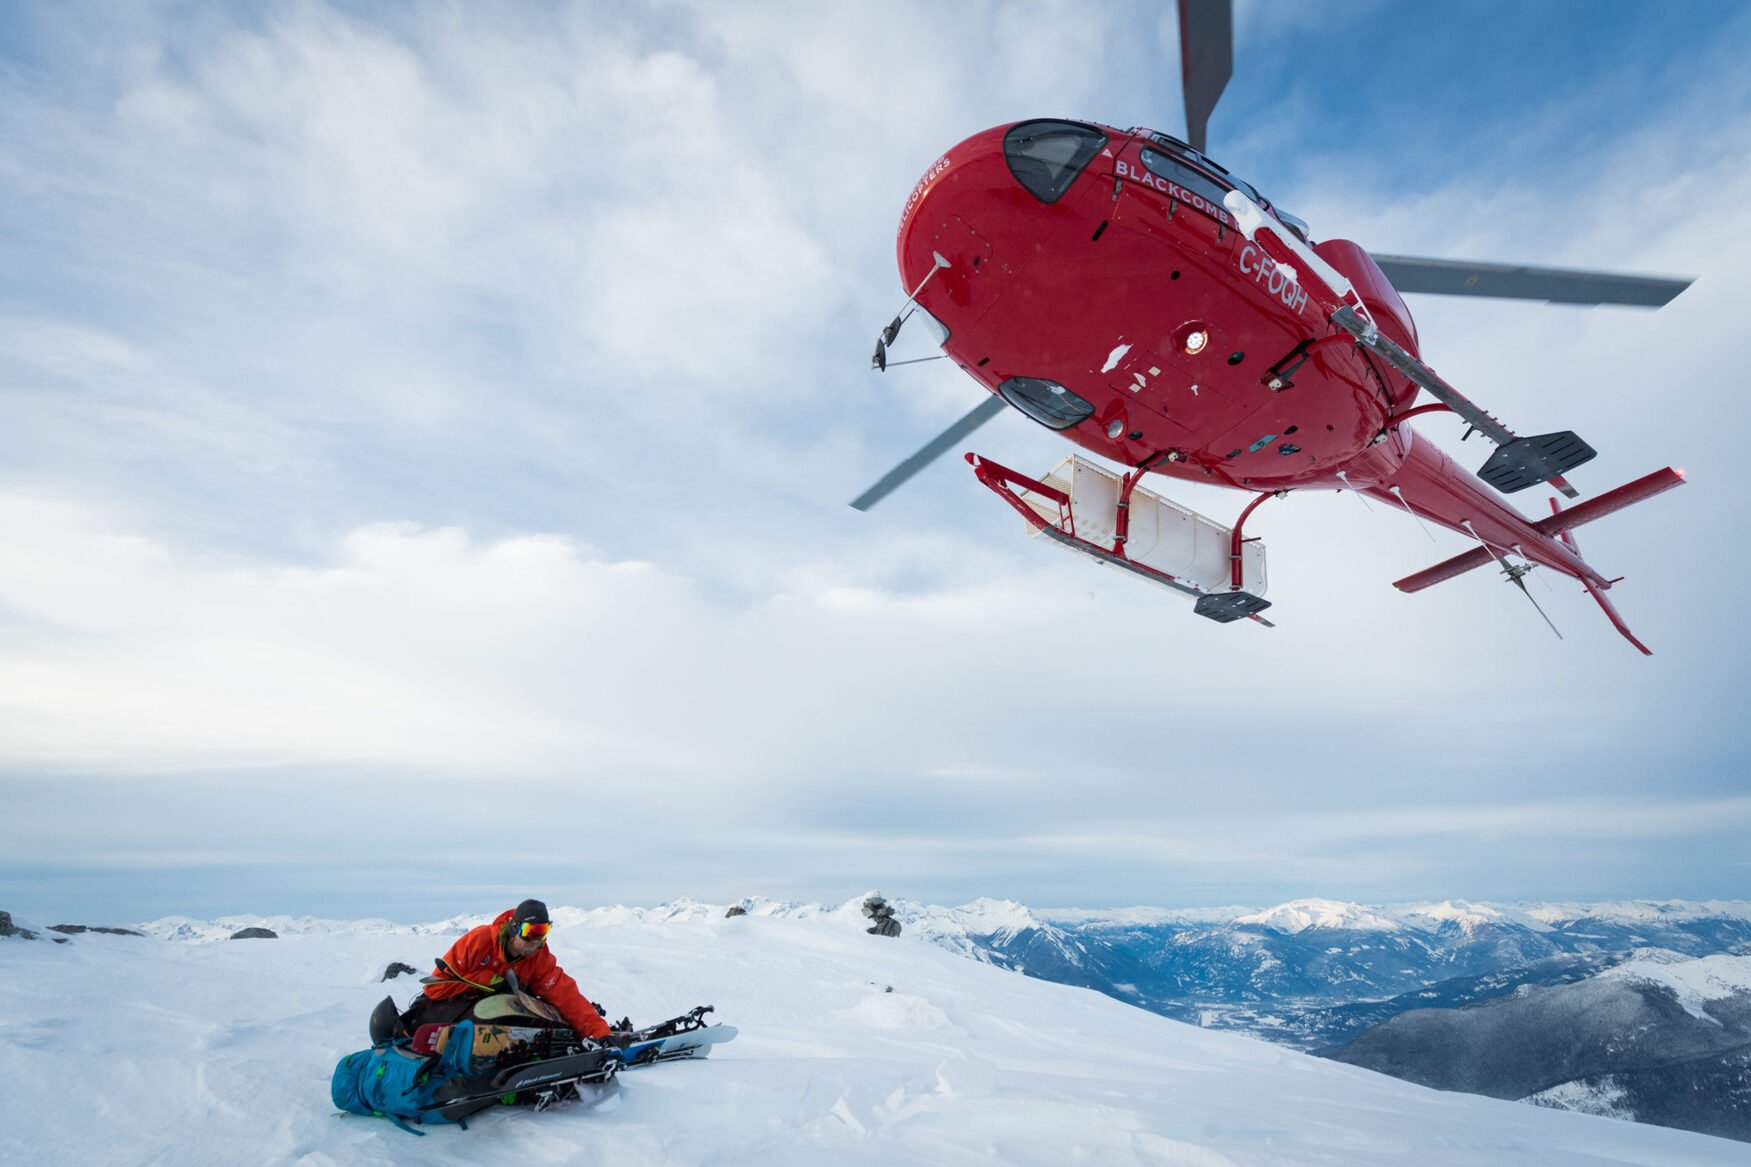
853,1049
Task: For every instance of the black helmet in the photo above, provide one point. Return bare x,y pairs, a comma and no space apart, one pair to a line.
530,912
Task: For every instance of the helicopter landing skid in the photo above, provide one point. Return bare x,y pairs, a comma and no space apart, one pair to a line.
1224,607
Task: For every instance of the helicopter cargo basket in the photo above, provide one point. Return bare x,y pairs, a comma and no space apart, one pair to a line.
1086,508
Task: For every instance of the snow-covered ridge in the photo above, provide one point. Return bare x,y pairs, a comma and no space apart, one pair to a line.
1140,917
1300,915
184,928
1004,919
1695,981
982,918
1467,916
1642,911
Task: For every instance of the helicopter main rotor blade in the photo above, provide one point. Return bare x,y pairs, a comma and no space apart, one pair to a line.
930,452
1457,277
1206,60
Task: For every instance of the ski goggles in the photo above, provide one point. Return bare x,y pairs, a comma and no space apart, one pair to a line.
532,930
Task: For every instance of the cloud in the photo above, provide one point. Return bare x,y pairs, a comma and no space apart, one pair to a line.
466,399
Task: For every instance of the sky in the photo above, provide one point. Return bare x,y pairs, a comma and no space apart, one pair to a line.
426,433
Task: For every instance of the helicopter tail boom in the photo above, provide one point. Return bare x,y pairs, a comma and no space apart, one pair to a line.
1559,525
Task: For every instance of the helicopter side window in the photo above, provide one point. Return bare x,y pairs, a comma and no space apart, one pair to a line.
1293,222
1196,181
1046,156
1047,402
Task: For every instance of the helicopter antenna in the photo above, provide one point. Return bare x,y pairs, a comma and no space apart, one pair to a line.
1516,573
1520,551
1399,494
1354,491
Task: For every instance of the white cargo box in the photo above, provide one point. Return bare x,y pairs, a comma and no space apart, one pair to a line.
1163,535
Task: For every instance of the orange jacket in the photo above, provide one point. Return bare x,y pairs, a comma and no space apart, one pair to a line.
478,962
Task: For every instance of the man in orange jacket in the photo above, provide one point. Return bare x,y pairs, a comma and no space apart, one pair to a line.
480,962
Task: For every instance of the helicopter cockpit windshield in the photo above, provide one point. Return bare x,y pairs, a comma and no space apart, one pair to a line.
1046,156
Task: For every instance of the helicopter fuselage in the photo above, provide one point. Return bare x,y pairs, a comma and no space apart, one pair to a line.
1094,279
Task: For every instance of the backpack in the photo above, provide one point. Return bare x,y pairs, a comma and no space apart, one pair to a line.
391,1081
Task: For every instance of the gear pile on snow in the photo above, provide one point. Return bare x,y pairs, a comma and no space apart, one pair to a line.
512,1057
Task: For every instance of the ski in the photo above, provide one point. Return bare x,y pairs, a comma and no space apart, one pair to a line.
686,1036
540,1083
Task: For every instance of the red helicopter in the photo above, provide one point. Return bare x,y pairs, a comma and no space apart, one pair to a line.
1123,289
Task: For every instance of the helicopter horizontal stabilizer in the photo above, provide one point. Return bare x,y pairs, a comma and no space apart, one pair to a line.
1445,570
1612,501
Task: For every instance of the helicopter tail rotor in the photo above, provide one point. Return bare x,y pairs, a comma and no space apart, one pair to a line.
1517,573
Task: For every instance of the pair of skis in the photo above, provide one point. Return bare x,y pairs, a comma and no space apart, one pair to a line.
541,1065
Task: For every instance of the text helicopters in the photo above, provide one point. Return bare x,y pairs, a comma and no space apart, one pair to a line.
1123,289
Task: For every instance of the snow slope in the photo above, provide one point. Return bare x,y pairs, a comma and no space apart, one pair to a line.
121,1049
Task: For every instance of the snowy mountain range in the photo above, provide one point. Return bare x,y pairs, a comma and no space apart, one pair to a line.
1297,972
1638,1010
185,1046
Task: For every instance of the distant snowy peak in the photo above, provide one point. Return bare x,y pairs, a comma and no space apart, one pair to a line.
1642,911
1141,917
184,928
1695,981
985,917
1466,917
1301,915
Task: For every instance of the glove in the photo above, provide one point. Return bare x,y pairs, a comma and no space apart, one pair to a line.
616,1040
